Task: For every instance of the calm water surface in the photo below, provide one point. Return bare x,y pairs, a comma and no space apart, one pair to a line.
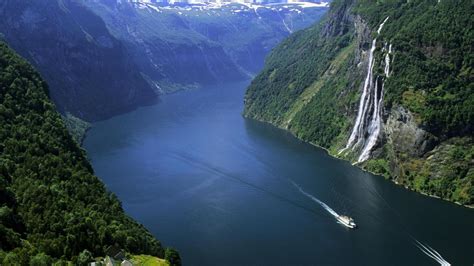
219,188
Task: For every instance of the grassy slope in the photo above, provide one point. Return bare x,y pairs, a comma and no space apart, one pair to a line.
147,260
310,85
302,78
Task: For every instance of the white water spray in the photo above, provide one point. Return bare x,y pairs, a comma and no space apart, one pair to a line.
430,252
376,123
324,205
363,102
370,106
387,61
381,25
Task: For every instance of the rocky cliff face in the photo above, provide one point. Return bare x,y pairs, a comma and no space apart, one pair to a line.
382,87
405,135
167,52
89,71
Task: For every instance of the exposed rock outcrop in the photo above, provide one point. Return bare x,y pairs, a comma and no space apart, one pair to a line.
405,135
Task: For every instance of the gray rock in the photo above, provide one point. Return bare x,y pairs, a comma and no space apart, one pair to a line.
405,135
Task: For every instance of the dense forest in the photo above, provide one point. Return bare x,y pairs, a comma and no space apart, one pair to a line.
312,83
52,207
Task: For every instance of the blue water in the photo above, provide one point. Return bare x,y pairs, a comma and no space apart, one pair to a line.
219,188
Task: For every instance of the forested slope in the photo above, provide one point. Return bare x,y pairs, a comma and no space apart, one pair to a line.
51,205
387,85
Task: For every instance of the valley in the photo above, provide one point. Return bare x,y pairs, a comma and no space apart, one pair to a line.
185,46
102,58
236,132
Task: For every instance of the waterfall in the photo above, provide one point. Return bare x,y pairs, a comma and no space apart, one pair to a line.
363,100
381,25
368,120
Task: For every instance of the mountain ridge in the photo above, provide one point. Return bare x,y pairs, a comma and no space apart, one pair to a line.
179,47
101,58
69,45
317,82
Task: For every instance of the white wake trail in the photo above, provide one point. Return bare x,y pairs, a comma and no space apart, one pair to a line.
430,252
324,205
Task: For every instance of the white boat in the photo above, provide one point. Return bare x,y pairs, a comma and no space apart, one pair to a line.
346,221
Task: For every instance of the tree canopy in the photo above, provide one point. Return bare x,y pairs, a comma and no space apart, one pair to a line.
51,204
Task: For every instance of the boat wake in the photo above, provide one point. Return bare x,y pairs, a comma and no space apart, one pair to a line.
324,205
430,252
426,249
195,162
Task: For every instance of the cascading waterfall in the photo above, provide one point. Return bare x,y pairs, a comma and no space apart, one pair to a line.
376,122
363,100
387,61
368,120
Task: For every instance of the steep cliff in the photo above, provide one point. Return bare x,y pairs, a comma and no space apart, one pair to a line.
388,86
51,205
89,71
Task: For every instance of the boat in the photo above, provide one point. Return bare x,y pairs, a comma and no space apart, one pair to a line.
346,221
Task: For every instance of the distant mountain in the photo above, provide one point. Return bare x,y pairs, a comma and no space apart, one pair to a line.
386,85
182,46
89,71
215,3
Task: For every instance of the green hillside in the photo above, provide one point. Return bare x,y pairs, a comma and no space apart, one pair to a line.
51,205
312,84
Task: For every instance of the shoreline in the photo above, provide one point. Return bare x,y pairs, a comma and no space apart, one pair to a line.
292,134
357,165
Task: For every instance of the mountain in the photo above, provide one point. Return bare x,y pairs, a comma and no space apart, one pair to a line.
51,205
89,71
104,57
182,46
386,85
215,3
